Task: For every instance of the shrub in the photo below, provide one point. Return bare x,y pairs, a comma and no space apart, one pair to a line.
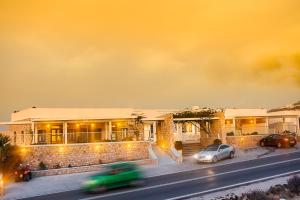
254,133
293,184
70,166
255,195
178,145
217,141
57,166
42,166
230,134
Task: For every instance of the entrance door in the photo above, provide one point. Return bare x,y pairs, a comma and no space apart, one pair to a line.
124,132
56,136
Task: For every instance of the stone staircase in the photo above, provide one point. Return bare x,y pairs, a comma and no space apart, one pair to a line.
190,149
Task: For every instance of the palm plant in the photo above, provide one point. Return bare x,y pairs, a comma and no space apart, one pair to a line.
9,155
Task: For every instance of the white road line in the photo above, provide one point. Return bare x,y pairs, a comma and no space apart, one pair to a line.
223,164
232,186
186,180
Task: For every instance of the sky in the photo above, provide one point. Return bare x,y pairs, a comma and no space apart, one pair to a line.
149,54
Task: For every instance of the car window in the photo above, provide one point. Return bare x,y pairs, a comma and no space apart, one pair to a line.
276,136
224,147
212,148
270,137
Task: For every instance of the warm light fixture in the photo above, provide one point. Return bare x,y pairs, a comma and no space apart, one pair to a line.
92,125
61,149
118,124
77,125
48,125
23,150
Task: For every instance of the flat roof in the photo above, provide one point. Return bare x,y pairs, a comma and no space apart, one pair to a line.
49,114
237,112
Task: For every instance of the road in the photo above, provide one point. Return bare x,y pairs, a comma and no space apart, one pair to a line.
196,182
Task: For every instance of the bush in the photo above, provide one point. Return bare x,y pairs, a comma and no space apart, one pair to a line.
178,145
293,184
254,133
217,141
42,166
57,166
255,195
230,134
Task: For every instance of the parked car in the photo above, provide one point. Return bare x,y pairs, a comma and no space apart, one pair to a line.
214,153
114,176
278,140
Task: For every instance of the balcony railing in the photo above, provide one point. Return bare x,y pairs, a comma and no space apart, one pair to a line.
76,137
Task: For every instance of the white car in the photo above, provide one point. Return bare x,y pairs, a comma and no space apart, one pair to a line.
214,153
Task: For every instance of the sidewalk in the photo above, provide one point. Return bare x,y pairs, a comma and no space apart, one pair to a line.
60,183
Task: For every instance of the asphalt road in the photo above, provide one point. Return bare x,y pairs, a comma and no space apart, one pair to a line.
195,182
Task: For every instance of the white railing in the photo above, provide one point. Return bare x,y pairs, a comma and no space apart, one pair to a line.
75,137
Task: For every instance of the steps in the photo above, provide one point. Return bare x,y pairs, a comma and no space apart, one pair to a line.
190,149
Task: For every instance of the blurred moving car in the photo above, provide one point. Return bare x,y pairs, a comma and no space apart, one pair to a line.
278,140
214,153
114,176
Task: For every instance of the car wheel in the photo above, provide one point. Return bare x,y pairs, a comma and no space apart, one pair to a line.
26,178
279,145
214,159
262,144
99,189
137,183
231,155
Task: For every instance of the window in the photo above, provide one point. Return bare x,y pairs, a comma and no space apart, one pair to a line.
151,128
41,136
260,120
229,121
23,137
15,137
224,147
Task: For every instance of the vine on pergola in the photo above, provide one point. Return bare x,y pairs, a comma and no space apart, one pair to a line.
197,118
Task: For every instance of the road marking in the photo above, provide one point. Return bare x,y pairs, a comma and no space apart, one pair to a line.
232,186
223,164
186,180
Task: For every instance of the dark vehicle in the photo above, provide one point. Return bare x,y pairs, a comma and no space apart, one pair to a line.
114,176
23,173
279,140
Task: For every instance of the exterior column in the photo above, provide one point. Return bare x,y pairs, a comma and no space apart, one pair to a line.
234,126
33,133
267,125
106,131
65,132
109,130
154,132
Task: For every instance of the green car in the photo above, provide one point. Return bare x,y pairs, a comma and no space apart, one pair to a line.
114,176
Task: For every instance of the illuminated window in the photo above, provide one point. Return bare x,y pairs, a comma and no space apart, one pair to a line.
228,121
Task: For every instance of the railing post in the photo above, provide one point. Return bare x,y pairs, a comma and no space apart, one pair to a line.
110,130
65,132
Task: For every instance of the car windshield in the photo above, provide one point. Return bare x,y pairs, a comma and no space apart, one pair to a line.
212,148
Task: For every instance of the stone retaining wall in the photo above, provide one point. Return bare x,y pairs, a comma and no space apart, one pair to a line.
90,168
75,155
248,141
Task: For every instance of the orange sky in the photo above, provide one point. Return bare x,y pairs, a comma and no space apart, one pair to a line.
156,53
